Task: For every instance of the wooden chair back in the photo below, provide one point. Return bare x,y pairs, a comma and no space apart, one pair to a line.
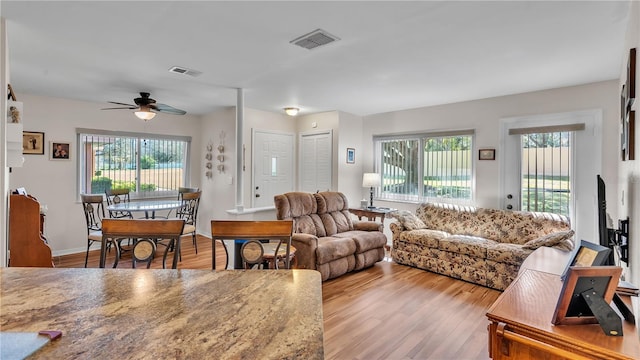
153,229
279,230
189,209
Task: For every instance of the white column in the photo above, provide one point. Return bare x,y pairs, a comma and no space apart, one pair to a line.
239,150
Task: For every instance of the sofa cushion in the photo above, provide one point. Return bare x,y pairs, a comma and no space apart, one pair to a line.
408,219
331,248
464,244
365,240
550,240
424,237
507,253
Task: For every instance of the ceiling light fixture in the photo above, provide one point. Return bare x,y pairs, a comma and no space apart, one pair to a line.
144,114
291,111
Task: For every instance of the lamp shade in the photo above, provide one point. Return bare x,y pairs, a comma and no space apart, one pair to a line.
144,115
371,180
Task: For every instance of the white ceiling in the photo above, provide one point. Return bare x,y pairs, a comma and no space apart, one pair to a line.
391,56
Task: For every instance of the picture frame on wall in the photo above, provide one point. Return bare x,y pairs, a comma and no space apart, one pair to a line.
33,143
487,154
631,79
351,156
59,150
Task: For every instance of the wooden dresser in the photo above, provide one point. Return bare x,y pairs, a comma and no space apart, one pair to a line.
27,245
520,320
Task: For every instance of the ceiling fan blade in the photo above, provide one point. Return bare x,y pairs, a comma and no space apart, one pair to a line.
123,108
163,108
119,103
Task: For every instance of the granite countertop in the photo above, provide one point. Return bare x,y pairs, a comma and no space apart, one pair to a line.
177,314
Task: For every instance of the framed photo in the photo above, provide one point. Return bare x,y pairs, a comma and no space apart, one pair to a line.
351,156
33,143
588,254
487,154
572,309
631,79
59,150
14,112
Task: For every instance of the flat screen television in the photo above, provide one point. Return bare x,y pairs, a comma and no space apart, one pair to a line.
604,232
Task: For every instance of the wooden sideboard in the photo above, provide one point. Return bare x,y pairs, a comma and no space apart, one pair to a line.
520,320
27,245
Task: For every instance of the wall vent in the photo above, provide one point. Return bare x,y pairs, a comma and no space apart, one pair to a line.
314,39
184,71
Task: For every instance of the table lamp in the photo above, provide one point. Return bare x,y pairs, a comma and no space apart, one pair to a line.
371,180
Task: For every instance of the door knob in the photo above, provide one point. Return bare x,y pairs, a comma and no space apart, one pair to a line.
257,195
509,207
509,196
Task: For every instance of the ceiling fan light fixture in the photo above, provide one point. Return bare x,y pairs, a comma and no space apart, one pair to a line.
144,114
291,111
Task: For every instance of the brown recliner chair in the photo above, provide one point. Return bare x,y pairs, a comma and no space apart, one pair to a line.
325,236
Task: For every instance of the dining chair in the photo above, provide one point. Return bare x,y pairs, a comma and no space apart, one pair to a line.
146,234
117,196
183,190
278,232
188,211
93,206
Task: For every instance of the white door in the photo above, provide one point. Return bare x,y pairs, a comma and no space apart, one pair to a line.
586,164
272,166
315,161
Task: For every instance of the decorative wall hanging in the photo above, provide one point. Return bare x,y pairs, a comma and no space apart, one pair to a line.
208,165
33,143
351,156
59,150
220,156
487,154
627,117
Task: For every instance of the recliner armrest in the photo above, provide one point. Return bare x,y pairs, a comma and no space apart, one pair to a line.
306,246
368,226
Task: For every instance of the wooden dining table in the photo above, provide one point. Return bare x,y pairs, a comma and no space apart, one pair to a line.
164,314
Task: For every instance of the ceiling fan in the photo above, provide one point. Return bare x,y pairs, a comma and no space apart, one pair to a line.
147,107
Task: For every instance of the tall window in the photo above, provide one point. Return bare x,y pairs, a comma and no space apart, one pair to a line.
426,167
148,165
546,165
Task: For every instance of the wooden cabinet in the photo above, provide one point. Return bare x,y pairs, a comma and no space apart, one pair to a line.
520,326
27,245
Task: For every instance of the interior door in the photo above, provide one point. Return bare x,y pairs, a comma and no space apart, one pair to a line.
315,161
587,159
272,166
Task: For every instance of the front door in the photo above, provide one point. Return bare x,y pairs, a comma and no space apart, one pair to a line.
550,163
272,166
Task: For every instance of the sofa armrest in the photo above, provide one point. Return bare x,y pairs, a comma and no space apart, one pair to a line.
367,226
396,227
306,246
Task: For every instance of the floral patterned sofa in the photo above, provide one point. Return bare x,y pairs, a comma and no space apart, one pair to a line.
479,245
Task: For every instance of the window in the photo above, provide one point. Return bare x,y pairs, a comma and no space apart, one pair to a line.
148,165
546,165
426,167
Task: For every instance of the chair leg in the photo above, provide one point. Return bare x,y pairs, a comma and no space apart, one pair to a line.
86,257
195,242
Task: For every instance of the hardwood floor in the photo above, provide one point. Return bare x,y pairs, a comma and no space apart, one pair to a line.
388,311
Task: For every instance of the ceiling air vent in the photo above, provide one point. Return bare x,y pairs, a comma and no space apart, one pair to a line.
314,39
184,71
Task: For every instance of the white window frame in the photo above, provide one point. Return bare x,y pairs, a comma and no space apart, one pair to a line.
80,132
422,137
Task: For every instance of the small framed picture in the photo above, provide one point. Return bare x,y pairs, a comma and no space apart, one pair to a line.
588,254
571,308
59,150
351,156
33,143
487,154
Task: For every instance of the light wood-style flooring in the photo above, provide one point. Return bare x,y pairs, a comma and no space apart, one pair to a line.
388,311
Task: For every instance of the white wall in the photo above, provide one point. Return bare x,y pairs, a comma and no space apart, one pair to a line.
54,182
350,175
4,172
484,116
628,193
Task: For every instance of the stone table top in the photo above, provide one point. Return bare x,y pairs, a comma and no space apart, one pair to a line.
177,314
